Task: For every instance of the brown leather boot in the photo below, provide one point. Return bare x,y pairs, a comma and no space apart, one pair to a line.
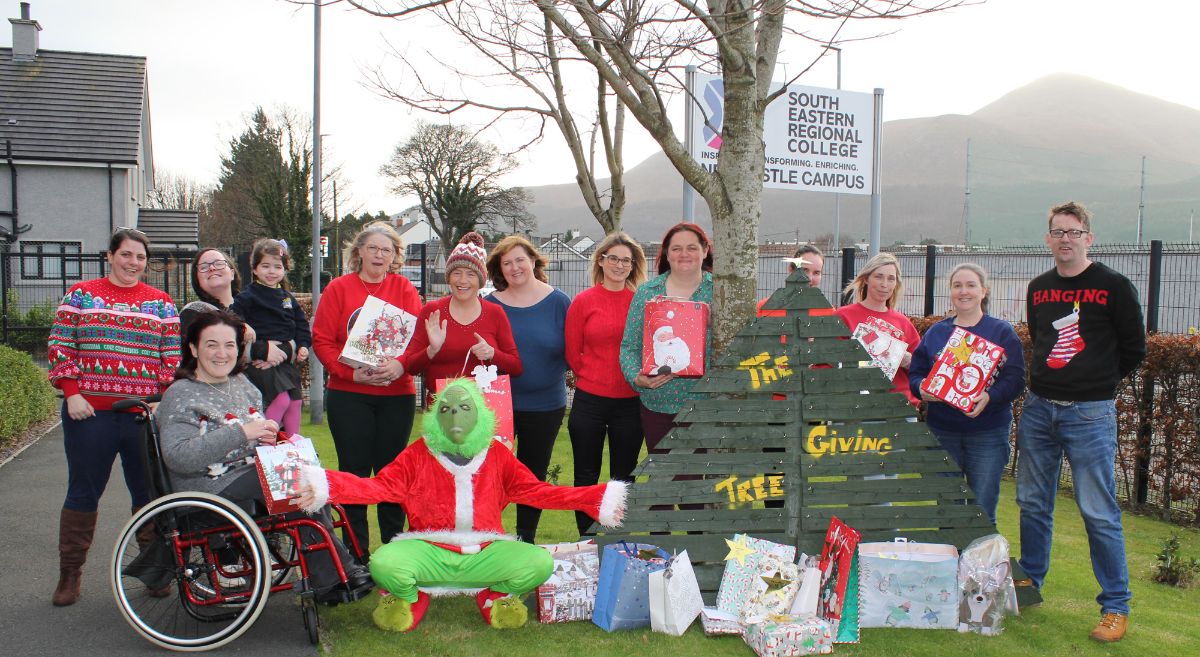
75,530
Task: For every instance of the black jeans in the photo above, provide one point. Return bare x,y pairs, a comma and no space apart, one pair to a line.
369,431
535,433
593,417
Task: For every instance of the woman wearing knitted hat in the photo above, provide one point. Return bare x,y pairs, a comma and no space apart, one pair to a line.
460,331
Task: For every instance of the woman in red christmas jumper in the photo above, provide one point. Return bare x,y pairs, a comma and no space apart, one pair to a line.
370,408
459,331
113,338
877,289
269,307
604,403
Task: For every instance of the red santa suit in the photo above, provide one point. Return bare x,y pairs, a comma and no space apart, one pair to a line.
456,508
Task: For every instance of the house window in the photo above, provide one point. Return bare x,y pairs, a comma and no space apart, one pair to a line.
46,261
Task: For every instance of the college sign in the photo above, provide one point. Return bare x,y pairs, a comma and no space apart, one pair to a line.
816,139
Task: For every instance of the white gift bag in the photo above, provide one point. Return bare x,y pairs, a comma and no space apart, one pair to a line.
674,596
805,601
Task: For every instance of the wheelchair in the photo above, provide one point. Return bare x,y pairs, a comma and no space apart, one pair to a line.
191,571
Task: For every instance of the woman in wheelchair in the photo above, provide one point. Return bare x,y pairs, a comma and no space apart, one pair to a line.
210,421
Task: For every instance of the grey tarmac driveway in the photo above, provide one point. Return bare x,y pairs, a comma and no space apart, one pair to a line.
32,486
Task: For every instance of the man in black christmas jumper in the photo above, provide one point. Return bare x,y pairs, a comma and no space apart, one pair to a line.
1085,323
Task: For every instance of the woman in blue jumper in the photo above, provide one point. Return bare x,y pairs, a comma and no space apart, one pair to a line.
978,440
538,315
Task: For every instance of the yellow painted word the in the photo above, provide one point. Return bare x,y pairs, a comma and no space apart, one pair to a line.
751,489
763,369
822,440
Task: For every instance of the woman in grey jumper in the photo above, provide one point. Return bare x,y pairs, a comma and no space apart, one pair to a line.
210,420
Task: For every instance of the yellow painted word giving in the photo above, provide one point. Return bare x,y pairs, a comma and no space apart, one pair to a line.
751,489
823,440
763,369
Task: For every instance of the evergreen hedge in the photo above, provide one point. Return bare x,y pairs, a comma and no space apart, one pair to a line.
26,396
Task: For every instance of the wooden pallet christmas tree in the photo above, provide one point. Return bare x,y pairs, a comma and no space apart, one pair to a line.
796,428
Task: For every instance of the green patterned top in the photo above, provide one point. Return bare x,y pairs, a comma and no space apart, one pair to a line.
673,395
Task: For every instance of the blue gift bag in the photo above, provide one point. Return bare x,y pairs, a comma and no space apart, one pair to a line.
623,593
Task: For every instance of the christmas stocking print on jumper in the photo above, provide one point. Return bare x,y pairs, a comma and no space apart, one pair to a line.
1069,341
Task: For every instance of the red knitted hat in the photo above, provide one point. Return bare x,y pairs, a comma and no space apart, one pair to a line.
469,253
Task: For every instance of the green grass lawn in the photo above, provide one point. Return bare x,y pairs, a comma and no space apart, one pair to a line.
1163,621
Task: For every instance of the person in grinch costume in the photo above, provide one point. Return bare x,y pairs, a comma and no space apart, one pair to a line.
454,482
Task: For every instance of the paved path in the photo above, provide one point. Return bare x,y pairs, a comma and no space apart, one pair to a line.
32,486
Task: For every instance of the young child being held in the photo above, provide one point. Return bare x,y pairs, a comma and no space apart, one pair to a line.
269,307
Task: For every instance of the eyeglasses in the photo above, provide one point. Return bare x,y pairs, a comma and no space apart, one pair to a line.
616,260
215,265
379,250
1074,233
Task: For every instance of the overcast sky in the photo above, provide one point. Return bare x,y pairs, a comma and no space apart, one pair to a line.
212,61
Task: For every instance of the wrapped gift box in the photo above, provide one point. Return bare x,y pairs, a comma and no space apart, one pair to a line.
380,332
965,369
570,593
748,560
886,351
279,471
787,636
718,623
674,337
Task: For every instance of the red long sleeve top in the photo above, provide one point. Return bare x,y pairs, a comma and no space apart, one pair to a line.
453,359
340,304
595,325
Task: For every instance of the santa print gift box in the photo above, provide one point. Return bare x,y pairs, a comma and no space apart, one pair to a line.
965,369
279,470
381,331
673,336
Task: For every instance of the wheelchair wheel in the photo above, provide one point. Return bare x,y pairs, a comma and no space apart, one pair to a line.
190,572
309,609
282,549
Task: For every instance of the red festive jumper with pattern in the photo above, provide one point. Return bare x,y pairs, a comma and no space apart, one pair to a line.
110,342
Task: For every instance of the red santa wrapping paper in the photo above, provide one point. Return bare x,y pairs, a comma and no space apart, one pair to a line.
381,331
965,369
673,337
279,470
878,337
497,394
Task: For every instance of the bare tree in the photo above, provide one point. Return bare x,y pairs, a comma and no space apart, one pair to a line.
178,192
531,71
632,45
456,179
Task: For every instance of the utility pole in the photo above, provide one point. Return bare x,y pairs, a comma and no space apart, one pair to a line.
337,234
1141,202
837,196
316,373
967,201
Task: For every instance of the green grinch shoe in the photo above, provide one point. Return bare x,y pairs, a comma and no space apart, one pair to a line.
393,614
501,610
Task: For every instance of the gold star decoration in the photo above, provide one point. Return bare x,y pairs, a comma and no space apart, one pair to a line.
962,352
776,582
738,549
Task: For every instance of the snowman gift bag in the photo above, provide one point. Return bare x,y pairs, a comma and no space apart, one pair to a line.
674,337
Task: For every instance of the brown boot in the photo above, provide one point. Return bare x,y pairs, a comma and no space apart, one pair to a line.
75,530
1111,628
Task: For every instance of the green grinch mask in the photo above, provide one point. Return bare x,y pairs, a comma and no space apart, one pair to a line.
459,421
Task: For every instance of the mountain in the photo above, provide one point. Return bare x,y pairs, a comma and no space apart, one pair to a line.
1060,137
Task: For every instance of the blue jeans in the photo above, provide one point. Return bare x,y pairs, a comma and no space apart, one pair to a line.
92,445
1086,433
982,456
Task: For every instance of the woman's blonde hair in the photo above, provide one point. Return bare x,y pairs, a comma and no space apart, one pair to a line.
502,248
859,285
637,270
352,252
983,280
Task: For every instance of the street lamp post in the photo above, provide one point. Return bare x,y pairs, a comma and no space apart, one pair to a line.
837,196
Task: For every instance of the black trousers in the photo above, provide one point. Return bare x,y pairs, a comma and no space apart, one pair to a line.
592,418
535,433
369,431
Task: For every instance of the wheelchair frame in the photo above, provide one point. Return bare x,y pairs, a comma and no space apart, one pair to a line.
214,556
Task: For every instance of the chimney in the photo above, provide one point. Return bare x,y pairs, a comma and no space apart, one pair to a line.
25,36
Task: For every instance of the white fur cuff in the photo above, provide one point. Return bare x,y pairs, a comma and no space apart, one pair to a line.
612,505
315,476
